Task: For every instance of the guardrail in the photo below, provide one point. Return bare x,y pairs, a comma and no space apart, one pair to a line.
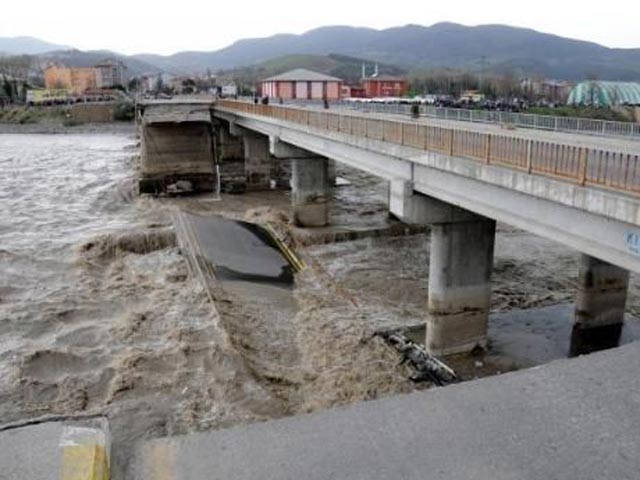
584,166
523,120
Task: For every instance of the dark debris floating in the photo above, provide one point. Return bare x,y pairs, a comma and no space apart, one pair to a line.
428,367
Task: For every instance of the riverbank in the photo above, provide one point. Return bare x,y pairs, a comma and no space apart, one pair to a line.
76,118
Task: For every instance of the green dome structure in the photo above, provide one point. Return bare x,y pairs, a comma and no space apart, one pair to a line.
605,94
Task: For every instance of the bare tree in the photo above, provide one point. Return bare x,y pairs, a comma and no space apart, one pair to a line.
16,67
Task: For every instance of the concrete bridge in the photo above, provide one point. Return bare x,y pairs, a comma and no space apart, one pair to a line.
581,191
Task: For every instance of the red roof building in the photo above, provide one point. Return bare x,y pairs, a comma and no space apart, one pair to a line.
385,86
302,84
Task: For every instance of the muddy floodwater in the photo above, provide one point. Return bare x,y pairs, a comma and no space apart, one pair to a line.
99,314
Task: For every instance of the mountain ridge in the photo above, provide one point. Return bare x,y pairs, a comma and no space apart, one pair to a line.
492,47
442,45
25,45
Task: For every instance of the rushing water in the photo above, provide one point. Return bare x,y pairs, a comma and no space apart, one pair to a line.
56,191
99,315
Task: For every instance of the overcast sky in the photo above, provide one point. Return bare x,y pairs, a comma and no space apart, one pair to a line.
137,26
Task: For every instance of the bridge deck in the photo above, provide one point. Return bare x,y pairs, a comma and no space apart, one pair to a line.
596,161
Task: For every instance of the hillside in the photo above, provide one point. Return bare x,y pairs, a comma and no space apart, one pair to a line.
78,58
494,48
341,66
498,47
26,46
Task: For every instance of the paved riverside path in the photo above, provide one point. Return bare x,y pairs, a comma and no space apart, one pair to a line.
571,419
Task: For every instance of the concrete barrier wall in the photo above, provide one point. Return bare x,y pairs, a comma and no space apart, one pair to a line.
93,112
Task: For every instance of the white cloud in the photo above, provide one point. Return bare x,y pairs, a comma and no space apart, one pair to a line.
131,26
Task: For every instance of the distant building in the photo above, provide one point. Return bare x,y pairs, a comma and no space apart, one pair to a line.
110,73
553,90
350,91
302,84
75,80
229,90
472,96
605,94
40,96
385,86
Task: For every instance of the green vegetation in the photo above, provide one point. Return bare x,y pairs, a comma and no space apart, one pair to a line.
70,122
23,115
596,113
124,111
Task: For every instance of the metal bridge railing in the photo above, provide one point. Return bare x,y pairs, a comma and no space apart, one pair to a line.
523,120
584,166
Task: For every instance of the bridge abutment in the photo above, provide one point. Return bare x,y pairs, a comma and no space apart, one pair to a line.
600,305
176,149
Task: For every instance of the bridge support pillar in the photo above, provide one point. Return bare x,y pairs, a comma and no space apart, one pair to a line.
310,192
257,160
600,306
460,285
460,267
230,152
310,182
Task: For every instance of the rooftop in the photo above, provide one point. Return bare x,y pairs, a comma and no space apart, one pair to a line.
605,93
302,75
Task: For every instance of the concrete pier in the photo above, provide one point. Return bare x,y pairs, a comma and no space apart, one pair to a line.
230,158
310,182
600,305
309,191
459,268
257,160
459,285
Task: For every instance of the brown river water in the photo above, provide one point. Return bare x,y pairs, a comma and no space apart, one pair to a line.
98,313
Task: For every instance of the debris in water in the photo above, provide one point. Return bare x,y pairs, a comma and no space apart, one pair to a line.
181,186
430,368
